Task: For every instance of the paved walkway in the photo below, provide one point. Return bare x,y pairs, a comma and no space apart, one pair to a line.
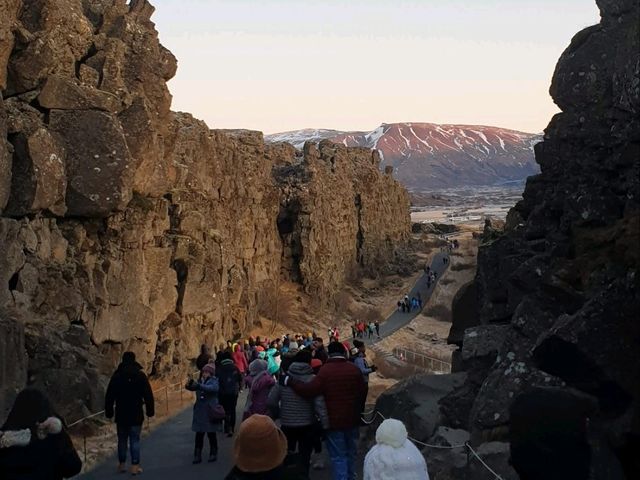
397,319
168,450
167,453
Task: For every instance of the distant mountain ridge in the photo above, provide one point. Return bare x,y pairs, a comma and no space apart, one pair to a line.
431,156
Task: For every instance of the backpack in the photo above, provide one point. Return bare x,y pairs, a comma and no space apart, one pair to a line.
228,381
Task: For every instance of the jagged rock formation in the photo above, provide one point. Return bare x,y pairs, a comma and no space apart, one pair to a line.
124,225
558,291
355,231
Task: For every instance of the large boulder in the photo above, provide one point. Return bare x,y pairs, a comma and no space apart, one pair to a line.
99,165
415,402
38,177
59,93
463,312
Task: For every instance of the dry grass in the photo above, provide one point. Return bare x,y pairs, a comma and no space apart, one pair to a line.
440,312
458,267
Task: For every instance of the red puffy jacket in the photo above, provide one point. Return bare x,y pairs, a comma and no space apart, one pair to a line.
342,385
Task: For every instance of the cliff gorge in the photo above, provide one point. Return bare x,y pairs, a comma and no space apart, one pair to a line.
557,293
124,225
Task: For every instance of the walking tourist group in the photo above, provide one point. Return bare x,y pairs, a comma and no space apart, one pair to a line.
315,392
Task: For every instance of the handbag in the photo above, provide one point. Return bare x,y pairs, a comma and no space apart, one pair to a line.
217,413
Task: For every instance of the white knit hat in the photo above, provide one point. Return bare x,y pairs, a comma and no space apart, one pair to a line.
394,457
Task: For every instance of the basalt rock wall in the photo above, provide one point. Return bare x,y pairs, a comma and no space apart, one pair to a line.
339,217
126,226
562,280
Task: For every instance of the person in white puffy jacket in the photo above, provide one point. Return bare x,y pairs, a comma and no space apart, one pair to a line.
394,456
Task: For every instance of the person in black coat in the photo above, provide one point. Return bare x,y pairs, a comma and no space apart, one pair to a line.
203,358
230,382
129,389
34,444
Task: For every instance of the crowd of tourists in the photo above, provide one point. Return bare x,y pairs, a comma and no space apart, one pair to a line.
363,329
317,392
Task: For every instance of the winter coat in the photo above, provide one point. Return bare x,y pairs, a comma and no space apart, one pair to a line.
321,354
342,385
260,385
273,364
361,362
384,462
240,360
25,458
294,410
202,360
206,398
129,389
229,378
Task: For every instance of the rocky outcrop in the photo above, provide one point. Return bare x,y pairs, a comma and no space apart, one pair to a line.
126,226
561,283
358,231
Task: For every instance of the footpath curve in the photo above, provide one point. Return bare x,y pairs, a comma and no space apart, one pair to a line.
398,320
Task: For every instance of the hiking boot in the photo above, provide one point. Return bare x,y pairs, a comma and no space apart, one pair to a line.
122,468
136,470
197,456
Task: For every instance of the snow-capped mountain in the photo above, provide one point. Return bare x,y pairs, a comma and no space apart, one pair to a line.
427,155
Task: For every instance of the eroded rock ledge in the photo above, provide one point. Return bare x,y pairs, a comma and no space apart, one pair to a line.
124,225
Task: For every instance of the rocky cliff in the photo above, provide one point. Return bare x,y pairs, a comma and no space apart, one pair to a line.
124,225
557,301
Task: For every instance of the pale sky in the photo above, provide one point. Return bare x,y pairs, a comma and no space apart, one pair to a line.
278,65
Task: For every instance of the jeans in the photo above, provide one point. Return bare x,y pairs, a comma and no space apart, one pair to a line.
130,434
342,446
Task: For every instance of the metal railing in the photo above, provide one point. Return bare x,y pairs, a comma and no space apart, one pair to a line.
431,364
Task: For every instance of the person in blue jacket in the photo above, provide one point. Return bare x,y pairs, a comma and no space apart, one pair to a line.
206,390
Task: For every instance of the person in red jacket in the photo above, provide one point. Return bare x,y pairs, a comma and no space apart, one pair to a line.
342,385
240,360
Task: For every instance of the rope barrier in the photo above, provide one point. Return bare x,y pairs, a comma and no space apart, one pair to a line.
93,415
443,447
473,452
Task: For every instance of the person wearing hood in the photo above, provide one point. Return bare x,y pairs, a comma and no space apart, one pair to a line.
298,415
259,382
287,358
342,385
129,390
206,390
203,358
34,444
394,456
230,381
240,359
359,357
